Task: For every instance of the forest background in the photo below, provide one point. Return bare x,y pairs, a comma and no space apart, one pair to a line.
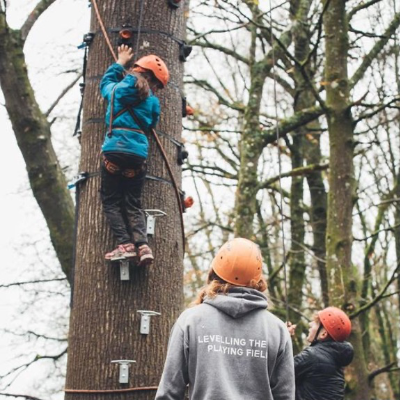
275,192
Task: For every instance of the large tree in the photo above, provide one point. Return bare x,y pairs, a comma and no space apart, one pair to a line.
32,129
105,318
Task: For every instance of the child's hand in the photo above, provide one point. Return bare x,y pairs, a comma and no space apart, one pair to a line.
291,328
125,54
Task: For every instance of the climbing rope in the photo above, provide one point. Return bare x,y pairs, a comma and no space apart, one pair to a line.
136,389
279,167
159,144
103,29
176,189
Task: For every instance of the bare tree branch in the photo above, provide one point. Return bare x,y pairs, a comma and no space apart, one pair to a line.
379,296
207,86
293,122
386,368
25,396
208,45
38,357
294,172
360,7
378,110
62,94
371,56
33,17
31,282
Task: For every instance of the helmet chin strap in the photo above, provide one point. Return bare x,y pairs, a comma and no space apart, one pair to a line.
315,340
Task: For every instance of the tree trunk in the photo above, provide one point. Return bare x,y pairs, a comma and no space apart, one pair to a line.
105,321
343,288
33,134
297,260
252,141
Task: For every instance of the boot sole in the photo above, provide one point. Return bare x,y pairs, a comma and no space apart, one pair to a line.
146,260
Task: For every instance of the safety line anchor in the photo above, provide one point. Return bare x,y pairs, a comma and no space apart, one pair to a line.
87,40
145,320
82,176
123,369
151,216
174,3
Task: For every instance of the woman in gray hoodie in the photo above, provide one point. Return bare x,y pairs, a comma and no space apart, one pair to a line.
229,347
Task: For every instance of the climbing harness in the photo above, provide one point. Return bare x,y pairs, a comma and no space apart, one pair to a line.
279,167
113,168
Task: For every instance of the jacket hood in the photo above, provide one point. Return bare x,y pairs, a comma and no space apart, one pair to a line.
238,301
342,351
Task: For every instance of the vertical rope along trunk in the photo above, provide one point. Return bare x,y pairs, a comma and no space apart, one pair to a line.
104,322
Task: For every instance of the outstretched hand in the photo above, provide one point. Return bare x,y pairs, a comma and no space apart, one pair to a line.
125,54
291,328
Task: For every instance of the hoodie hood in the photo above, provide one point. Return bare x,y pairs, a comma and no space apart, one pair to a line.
238,301
342,351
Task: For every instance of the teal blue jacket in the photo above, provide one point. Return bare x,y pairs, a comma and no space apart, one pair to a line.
125,136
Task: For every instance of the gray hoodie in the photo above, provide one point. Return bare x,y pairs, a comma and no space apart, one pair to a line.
229,348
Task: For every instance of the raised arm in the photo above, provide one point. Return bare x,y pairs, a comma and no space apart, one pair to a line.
116,72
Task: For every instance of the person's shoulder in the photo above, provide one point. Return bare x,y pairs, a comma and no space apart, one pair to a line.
116,67
193,313
132,78
273,319
341,352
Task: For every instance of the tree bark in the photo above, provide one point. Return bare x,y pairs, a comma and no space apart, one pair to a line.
253,141
32,131
105,321
343,288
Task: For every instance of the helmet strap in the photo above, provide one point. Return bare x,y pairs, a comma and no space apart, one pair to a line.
315,340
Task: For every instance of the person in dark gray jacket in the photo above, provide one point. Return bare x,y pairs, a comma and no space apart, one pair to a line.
319,369
228,346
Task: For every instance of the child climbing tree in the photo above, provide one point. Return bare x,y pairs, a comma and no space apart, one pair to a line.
105,318
125,148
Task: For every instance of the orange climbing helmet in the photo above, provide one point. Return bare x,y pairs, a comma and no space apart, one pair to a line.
336,323
156,65
238,262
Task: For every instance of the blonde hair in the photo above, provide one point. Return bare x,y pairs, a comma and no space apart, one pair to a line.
216,285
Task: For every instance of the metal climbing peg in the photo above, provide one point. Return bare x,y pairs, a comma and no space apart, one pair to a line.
124,270
151,216
145,320
123,369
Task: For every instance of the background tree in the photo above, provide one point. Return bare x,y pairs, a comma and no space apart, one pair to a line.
316,79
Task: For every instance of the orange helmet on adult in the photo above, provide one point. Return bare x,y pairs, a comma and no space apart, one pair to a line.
238,262
156,65
336,323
